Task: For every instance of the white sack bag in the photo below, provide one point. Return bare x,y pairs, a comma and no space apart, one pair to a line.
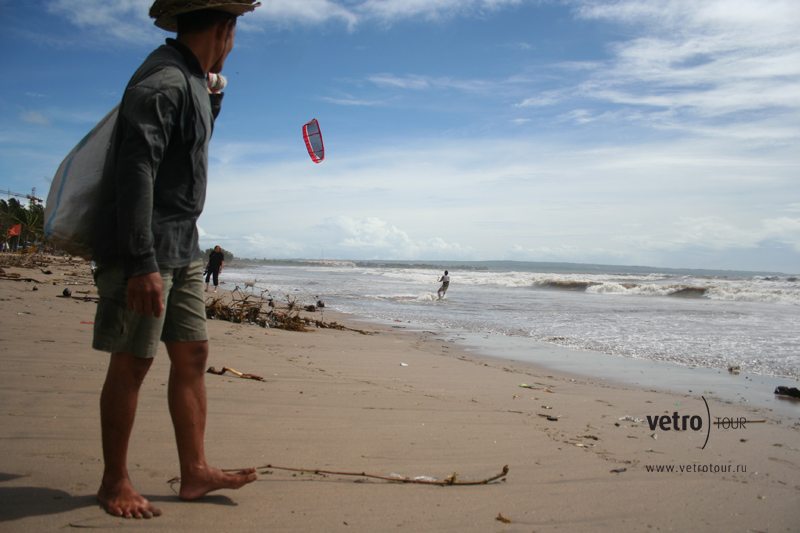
71,207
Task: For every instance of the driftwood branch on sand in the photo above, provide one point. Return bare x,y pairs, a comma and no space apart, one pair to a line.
212,370
394,478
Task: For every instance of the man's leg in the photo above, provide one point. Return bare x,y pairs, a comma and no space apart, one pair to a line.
187,405
117,412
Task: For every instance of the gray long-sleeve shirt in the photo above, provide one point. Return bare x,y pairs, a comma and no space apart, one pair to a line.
154,180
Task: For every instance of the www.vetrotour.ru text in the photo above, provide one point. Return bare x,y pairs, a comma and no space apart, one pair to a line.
698,468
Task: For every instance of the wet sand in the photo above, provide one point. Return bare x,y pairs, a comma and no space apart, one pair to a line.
397,402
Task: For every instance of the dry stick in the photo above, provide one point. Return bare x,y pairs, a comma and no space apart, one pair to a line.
451,480
212,370
14,278
86,297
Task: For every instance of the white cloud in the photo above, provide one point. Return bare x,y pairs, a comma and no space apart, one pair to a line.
542,99
33,117
678,239
302,12
397,9
352,101
711,232
570,254
417,82
123,20
475,199
372,237
127,20
716,233
227,153
517,46
784,229
579,116
259,245
701,59
545,253
408,82
715,68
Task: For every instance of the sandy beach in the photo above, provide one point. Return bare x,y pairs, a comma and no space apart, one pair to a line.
581,453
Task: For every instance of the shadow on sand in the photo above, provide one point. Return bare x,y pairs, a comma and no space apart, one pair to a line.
22,502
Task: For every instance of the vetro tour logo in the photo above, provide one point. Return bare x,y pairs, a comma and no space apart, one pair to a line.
679,422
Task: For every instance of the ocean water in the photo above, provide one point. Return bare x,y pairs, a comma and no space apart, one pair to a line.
695,319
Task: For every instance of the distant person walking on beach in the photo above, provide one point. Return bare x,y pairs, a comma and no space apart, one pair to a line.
216,260
445,280
149,260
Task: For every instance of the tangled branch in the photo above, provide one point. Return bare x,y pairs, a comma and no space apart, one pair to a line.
420,480
250,309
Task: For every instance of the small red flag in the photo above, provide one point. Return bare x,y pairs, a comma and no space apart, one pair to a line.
15,230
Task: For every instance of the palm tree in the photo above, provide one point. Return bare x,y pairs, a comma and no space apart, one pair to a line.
12,212
5,217
34,222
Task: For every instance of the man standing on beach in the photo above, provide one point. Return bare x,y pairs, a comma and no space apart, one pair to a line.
216,260
150,268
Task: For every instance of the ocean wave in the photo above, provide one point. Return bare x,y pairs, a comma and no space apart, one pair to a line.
770,296
738,291
783,290
688,319
565,285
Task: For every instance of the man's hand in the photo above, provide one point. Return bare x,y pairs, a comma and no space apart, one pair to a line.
145,294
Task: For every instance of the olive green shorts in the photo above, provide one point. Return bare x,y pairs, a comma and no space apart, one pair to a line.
119,329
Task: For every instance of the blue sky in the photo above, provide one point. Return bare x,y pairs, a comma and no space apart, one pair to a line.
660,133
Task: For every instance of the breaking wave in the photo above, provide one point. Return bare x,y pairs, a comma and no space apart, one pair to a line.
741,291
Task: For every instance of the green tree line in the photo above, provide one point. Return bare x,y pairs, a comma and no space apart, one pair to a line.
12,212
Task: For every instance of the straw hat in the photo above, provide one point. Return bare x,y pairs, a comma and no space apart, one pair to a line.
166,11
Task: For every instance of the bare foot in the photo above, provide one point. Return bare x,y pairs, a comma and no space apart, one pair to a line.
121,499
204,480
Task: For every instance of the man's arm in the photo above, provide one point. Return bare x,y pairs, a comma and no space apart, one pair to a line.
149,118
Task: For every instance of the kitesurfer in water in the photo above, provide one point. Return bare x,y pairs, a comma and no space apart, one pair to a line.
445,280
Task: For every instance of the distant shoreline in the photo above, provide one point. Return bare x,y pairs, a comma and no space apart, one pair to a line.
507,266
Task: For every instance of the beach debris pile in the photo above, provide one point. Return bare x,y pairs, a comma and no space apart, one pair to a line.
17,277
80,275
27,260
256,309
